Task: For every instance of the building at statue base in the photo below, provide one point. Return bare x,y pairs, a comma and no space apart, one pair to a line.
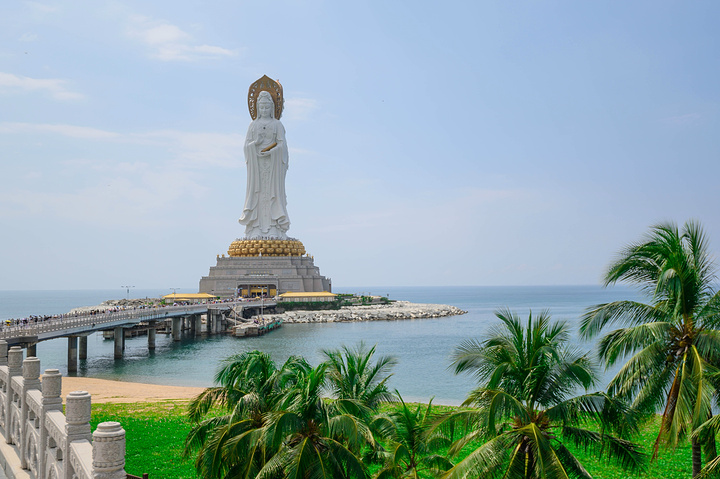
264,268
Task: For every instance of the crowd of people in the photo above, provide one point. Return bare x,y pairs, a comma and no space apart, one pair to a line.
82,312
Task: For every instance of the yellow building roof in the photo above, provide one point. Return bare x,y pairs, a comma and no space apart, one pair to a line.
182,296
307,295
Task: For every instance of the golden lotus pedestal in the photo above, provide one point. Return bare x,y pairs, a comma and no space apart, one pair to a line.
269,265
266,247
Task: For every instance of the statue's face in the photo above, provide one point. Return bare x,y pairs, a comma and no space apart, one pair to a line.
265,109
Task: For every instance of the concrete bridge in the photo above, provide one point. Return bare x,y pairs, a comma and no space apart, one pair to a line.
78,327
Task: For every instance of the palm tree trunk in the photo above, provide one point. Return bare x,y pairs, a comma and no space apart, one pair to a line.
696,457
667,417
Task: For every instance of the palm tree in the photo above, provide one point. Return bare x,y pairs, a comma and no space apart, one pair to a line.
523,410
275,423
315,437
230,444
353,375
411,443
672,341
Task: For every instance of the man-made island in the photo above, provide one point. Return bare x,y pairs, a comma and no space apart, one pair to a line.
376,311
396,310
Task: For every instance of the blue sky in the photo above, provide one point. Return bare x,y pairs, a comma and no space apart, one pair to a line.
453,143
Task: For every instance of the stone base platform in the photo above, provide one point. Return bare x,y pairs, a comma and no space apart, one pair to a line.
286,273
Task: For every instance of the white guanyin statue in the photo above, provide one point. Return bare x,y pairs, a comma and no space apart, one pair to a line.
266,156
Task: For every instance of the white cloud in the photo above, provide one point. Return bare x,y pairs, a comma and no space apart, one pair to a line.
122,194
54,86
201,149
28,37
188,149
90,181
299,108
70,131
686,119
169,42
162,34
41,7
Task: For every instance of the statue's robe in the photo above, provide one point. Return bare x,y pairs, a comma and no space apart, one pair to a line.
265,201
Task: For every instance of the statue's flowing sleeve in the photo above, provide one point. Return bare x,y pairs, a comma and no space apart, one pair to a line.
283,143
250,212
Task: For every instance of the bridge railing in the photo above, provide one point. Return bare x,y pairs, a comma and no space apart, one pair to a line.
93,320
35,434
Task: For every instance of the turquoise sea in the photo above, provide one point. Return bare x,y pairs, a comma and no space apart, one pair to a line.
422,346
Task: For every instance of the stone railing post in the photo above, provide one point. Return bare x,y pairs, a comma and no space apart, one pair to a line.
31,380
51,401
15,358
3,352
109,451
77,425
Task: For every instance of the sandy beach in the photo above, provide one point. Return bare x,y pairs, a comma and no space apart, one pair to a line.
104,391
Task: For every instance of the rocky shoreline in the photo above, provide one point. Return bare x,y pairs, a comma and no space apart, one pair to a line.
398,310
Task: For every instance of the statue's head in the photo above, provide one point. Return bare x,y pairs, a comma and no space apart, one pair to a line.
265,105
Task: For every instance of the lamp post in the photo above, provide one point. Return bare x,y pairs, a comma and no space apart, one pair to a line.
234,308
262,303
174,290
128,290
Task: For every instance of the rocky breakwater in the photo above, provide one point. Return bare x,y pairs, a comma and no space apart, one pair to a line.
397,310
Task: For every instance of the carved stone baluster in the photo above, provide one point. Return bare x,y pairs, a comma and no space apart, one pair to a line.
51,401
15,358
31,380
77,425
4,384
109,451
3,352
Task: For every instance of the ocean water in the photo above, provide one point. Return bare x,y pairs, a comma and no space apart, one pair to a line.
422,346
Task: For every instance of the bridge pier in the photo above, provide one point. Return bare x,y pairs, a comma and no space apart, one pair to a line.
72,354
186,318
198,325
176,328
119,340
82,348
218,324
151,335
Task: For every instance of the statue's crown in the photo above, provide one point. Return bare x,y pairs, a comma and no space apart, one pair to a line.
272,88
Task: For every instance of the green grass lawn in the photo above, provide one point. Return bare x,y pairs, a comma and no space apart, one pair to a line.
670,464
156,432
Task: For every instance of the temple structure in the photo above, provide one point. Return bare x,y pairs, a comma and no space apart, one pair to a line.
266,261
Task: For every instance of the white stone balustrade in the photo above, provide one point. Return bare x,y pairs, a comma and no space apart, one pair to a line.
38,441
